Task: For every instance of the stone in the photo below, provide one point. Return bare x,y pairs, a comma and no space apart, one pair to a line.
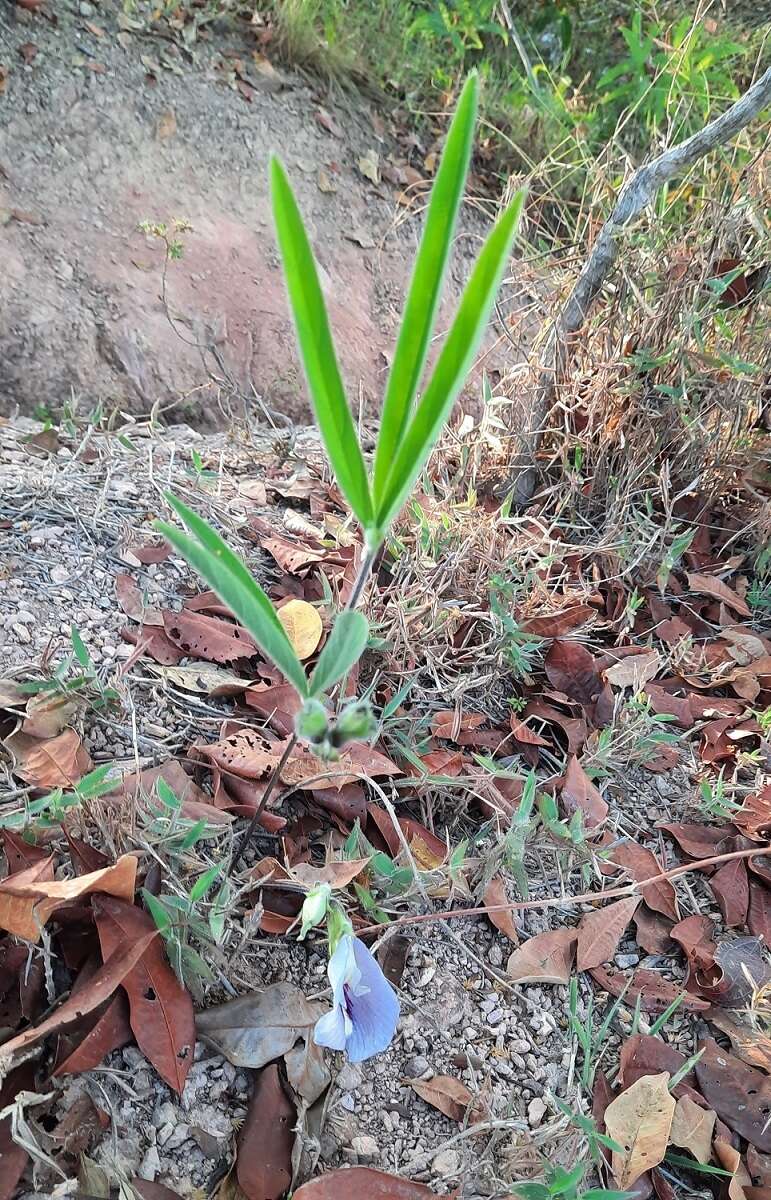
365,1148
446,1164
416,1067
626,960
349,1077
536,1111
150,1164
21,632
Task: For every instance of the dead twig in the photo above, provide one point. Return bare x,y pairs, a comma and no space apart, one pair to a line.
631,889
635,196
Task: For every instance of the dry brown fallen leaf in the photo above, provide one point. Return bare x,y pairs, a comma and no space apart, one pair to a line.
57,762
634,671
495,894
600,932
692,1128
545,958
731,1160
28,898
302,625
640,1120
450,1096
336,874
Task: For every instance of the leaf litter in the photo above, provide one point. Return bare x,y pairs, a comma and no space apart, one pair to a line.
561,715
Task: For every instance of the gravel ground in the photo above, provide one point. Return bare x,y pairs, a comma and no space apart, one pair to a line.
67,528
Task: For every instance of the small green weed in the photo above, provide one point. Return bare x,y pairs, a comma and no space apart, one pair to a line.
74,678
560,1184
714,802
49,810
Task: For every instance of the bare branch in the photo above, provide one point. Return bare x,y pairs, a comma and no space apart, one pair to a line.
636,195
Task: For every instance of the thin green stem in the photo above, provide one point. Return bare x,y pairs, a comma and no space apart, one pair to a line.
270,787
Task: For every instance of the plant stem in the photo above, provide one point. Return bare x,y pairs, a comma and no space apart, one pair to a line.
270,787
364,572
632,889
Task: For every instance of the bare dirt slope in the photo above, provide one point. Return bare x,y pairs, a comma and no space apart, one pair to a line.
103,129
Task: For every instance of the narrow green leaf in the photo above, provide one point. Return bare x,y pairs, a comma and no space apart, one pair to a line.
224,572
454,361
204,882
81,653
317,348
157,911
343,648
425,290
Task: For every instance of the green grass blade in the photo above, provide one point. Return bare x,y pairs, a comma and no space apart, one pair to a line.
224,572
454,362
317,348
425,290
343,648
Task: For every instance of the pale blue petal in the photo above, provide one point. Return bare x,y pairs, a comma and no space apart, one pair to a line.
342,969
329,1030
375,1013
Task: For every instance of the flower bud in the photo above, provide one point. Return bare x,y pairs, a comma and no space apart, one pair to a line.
356,723
314,908
311,722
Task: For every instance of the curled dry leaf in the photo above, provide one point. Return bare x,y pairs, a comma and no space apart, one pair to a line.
353,1183
640,1120
153,1191
692,1128
545,958
336,874
207,679
260,1026
748,1044
701,841
696,936
716,589
731,1160
28,898
133,603
451,1097
57,762
265,1140
503,919
578,792
302,625
48,714
742,970
161,1010
634,670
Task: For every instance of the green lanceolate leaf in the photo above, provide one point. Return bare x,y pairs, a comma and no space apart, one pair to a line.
426,287
317,348
343,648
454,361
225,574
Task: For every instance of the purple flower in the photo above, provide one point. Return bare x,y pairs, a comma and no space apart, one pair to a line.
365,1009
